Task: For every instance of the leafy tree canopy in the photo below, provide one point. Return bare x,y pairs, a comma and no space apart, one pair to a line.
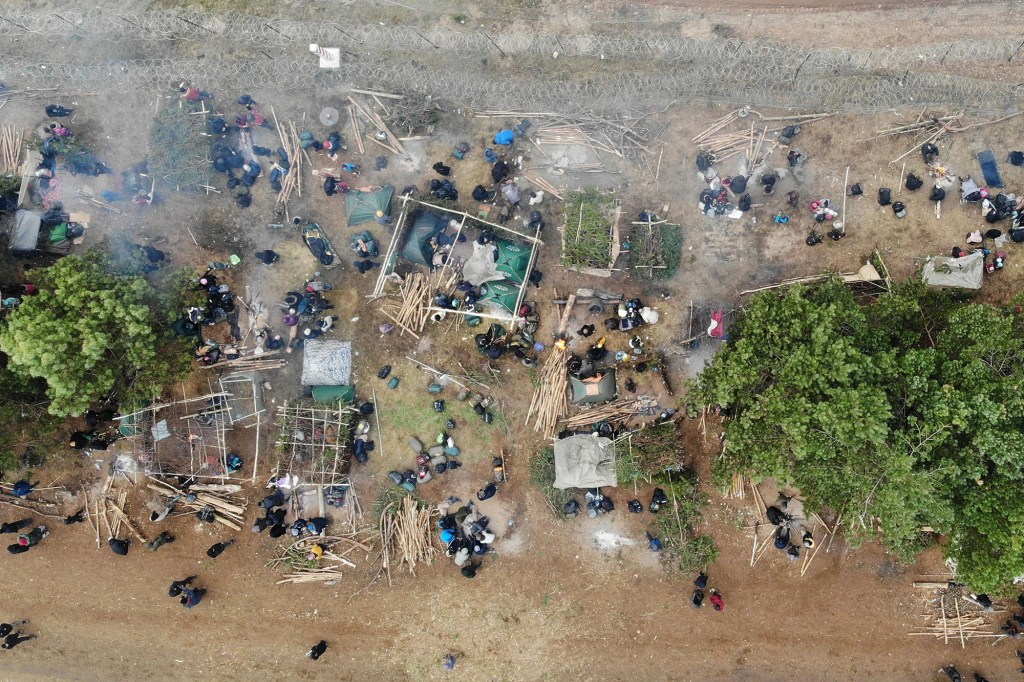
90,334
904,413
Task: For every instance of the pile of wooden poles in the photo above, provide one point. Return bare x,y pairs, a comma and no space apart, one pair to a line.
724,144
226,509
337,549
541,183
406,535
616,411
417,298
572,133
391,143
10,150
550,403
250,363
955,617
292,181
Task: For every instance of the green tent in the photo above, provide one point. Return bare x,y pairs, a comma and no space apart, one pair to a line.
513,260
594,389
417,244
361,207
503,293
330,394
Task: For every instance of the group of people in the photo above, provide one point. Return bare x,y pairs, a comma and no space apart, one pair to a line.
697,597
308,307
186,592
465,532
13,635
790,534
26,540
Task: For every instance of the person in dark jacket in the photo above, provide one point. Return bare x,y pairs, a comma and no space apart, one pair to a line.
8,628
275,499
178,585
487,492
57,111
317,651
15,526
119,546
190,597
15,639
267,257
217,548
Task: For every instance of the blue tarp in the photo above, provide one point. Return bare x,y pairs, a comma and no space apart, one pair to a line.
504,137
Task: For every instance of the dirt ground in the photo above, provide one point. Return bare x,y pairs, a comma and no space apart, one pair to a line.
581,599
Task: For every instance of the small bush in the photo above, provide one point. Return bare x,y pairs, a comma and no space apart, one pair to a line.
696,554
542,475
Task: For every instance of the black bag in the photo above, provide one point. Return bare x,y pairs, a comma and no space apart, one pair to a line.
1016,158
884,196
914,183
744,203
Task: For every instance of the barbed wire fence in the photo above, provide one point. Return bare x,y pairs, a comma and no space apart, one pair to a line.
636,45
479,88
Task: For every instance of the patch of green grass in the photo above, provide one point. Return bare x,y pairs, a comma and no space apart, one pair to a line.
542,475
657,251
587,236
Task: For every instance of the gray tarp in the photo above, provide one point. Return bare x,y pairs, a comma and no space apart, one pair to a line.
585,461
482,266
25,235
326,363
963,273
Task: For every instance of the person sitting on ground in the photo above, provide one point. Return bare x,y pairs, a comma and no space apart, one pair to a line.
317,525
8,628
716,600
274,499
15,526
267,257
193,94
697,598
160,540
178,585
57,111
487,492
15,639
586,330
118,546
191,597
217,548
298,528
782,537
469,570
22,488
317,651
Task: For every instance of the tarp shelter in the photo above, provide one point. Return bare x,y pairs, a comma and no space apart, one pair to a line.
361,207
332,394
503,293
585,461
25,235
513,260
481,266
965,272
505,137
594,389
417,247
326,363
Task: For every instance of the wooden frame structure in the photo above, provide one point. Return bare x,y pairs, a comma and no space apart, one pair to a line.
315,434
387,269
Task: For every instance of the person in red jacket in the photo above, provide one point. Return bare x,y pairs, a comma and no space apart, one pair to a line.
716,600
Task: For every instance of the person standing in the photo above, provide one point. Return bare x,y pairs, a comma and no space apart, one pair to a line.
190,597
716,600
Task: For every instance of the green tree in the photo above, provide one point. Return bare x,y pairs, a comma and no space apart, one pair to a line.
905,413
91,334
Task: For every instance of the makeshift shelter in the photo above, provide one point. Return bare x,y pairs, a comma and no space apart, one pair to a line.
594,389
361,207
326,363
965,272
25,235
513,260
504,294
482,267
427,225
585,461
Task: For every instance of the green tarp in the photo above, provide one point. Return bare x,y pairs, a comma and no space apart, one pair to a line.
330,394
596,389
417,244
503,293
513,260
361,207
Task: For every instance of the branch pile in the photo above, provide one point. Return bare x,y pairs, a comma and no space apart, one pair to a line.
616,411
550,403
336,548
228,508
418,292
587,236
178,153
406,535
